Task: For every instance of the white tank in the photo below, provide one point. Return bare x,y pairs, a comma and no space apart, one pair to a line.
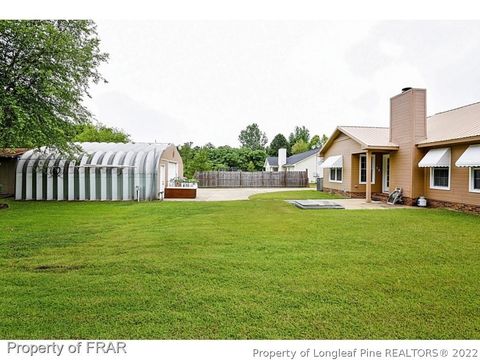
422,202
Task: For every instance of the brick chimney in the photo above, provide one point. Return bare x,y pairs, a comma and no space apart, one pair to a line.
408,126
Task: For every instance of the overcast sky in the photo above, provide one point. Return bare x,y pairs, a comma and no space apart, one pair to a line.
206,81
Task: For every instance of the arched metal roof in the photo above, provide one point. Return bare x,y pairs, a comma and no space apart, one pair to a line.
102,171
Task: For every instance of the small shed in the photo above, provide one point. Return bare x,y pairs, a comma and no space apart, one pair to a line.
101,171
8,163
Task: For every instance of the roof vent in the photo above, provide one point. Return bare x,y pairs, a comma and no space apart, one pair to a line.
406,89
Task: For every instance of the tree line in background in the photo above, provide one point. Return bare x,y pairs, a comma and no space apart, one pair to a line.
252,153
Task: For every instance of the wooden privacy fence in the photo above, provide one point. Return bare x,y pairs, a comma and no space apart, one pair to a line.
239,179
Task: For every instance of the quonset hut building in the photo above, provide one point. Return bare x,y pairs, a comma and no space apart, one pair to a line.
102,171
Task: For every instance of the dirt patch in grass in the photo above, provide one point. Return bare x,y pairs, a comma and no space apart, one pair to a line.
57,268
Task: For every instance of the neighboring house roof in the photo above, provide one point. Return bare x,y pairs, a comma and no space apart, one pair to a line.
292,160
455,124
12,153
369,137
272,160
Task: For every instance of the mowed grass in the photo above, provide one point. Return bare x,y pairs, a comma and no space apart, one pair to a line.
294,195
236,270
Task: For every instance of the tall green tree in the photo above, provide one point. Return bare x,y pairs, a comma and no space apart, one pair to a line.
46,69
323,140
315,142
200,162
300,146
253,138
225,157
299,133
100,133
278,142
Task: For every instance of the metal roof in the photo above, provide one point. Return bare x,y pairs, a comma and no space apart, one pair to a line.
470,158
369,136
335,161
102,171
459,123
436,158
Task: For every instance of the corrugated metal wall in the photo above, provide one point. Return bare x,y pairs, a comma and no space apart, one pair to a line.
103,171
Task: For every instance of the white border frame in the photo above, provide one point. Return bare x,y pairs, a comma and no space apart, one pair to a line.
449,178
330,175
374,169
470,179
384,169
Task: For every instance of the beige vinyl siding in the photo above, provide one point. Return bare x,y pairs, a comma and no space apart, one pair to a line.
407,126
355,185
459,182
345,146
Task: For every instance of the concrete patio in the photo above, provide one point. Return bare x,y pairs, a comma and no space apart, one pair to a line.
232,194
205,194
361,204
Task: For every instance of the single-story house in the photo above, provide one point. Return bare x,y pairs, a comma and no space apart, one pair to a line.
308,160
101,171
8,164
437,157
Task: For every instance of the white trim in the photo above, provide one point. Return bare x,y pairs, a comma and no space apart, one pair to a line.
470,180
330,175
440,187
385,188
374,168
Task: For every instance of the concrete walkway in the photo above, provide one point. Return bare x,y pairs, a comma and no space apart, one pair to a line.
233,194
360,204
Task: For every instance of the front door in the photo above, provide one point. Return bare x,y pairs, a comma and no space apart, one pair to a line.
386,173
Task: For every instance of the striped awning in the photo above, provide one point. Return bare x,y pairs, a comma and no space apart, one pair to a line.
436,158
470,158
333,162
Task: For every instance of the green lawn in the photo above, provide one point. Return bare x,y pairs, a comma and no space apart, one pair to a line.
243,269
294,195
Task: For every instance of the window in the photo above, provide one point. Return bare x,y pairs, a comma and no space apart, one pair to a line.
440,178
475,179
363,169
336,174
